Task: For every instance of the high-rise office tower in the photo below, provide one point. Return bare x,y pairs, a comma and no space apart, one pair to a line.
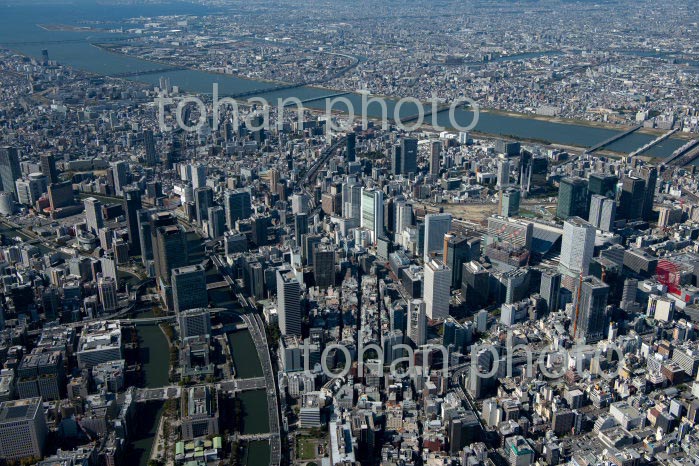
148,221
572,198
194,323
107,288
198,175
550,288
632,198
577,249
23,429
48,168
408,155
238,206
403,217
417,322
149,145
288,302
189,288
396,160
436,226
203,199
61,195
509,202
120,176
503,180
351,147
458,250
216,221
300,203
169,250
437,283
300,228
591,323
649,174
602,185
132,204
372,212
324,267
351,198
93,215
9,169
602,212
435,152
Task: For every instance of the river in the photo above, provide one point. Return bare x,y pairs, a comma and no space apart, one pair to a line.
19,31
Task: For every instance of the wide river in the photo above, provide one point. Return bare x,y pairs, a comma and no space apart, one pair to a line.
20,31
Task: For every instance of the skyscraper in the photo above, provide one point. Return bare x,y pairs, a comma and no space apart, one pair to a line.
198,175
602,212
149,145
632,198
591,323
436,226
93,215
169,250
324,267
203,199
572,198
577,249
417,322
351,198
48,168
403,217
23,429
351,147
509,202
372,212
107,288
300,228
132,204
437,282
216,222
120,176
288,302
189,288
435,152
602,185
458,250
503,173
194,323
550,288
9,169
649,174
238,206
408,155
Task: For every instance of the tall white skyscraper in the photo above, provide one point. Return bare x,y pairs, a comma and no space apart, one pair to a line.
602,212
372,212
198,176
436,226
437,281
417,322
288,302
93,215
351,198
404,216
300,203
503,173
577,249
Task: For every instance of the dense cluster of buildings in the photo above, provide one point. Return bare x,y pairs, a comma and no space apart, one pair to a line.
411,297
